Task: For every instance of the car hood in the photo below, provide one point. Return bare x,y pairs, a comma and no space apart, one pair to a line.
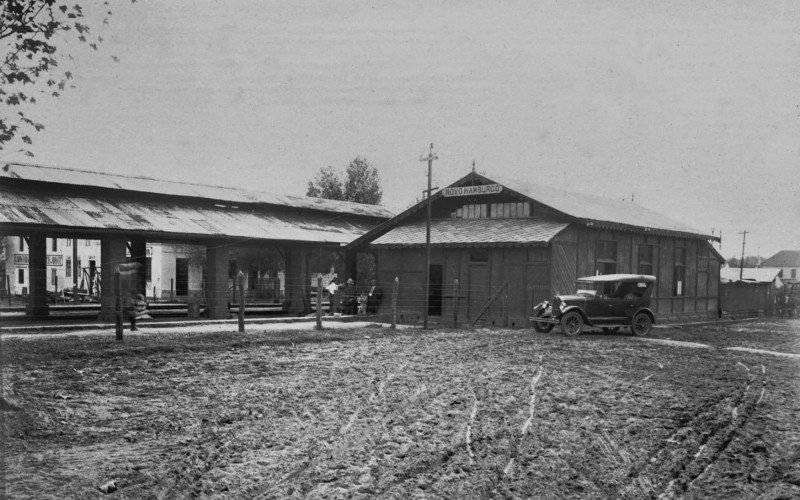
571,298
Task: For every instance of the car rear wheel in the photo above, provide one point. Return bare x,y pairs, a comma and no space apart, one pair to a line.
571,324
542,327
641,324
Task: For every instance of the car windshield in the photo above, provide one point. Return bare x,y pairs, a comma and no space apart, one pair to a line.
615,289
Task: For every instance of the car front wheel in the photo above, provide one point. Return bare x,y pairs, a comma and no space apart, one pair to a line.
641,324
571,324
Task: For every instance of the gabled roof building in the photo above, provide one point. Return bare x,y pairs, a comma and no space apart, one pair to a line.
519,243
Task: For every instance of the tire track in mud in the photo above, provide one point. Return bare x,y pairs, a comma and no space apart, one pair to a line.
715,433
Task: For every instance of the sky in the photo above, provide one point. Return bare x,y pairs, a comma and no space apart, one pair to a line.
690,107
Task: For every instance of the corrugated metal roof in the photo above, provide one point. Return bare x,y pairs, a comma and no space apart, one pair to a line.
178,218
58,175
752,274
784,258
597,208
464,232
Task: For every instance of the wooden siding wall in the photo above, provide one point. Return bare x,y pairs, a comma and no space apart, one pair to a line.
525,269
537,273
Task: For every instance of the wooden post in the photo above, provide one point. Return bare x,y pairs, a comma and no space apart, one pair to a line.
118,302
154,293
76,270
395,288
455,303
241,301
8,289
171,290
319,303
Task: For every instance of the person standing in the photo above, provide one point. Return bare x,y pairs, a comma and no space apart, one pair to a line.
374,296
349,299
333,295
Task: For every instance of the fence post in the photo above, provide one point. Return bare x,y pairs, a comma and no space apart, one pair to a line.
118,302
395,288
319,303
241,301
8,289
171,290
455,303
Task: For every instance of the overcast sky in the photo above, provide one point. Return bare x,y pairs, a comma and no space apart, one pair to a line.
693,106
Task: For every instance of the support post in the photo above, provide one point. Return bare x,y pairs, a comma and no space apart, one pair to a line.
37,272
319,303
240,279
76,270
154,293
218,297
172,290
395,288
8,289
118,303
455,303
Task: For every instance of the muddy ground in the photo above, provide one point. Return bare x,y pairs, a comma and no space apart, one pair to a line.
374,412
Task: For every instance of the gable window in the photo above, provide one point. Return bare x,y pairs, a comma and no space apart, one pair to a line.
54,245
645,259
606,262
470,211
21,245
509,210
679,272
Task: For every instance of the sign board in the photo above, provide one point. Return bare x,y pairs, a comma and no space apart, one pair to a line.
22,260
472,190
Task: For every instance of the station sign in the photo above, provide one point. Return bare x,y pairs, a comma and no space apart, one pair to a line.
472,190
22,259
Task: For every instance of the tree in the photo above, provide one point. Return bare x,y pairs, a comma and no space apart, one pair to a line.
359,183
32,33
749,261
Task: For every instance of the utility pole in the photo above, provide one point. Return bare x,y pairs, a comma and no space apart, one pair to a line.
431,156
741,264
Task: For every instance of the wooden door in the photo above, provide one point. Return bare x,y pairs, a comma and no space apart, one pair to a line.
477,289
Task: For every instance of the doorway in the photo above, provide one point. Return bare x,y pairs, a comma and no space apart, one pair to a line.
181,276
436,276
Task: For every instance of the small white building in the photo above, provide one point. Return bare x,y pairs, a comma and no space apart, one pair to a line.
786,262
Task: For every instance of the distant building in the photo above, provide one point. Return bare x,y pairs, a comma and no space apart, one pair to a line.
757,292
787,262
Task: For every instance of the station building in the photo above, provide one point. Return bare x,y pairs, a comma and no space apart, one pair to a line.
511,245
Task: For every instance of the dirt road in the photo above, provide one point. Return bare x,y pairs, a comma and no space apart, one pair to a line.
374,412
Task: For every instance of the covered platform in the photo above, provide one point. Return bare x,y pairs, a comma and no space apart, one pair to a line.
127,212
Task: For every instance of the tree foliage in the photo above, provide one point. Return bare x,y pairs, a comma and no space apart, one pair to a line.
749,261
34,35
359,183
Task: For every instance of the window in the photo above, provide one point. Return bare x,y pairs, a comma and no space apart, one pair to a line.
606,257
472,211
148,269
21,245
88,242
21,277
69,242
509,210
68,267
679,273
646,259
54,277
794,273
54,245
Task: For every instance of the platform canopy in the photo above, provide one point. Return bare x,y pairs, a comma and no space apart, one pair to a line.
65,201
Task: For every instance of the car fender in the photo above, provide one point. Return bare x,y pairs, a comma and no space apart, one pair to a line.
645,310
580,311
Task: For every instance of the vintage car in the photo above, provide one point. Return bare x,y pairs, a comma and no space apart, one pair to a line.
610,302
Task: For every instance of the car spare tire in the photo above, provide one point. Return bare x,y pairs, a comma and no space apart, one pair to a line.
571,324
641,324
